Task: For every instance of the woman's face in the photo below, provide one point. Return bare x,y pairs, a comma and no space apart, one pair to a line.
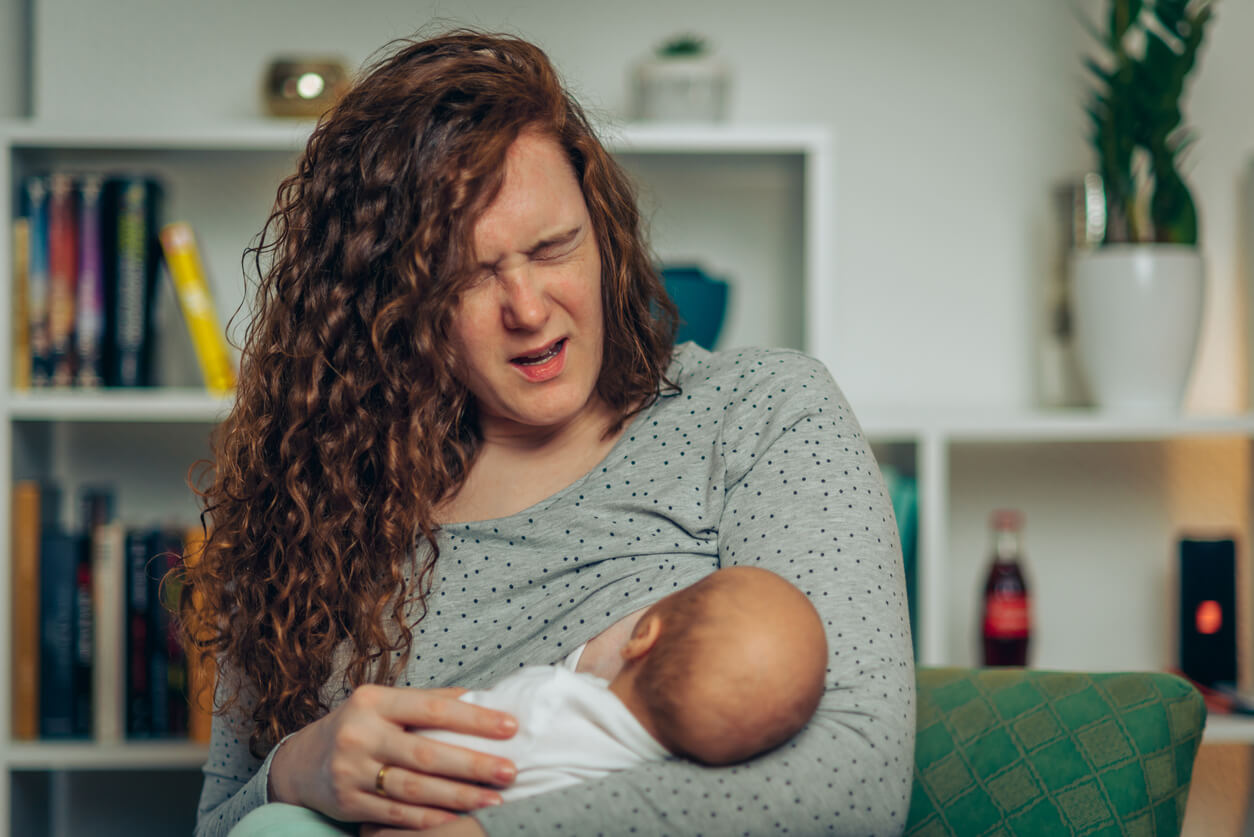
528,330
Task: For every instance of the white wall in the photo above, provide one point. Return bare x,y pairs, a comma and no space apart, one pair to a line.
954,121
14,35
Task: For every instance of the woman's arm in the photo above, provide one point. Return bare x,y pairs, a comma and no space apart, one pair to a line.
804,498
332,765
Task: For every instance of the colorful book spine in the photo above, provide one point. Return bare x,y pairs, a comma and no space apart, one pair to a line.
26,598
21,304
138,695
62,276
187,273
131,261
35,199
90,307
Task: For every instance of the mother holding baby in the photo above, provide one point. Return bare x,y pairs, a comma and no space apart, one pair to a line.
464,443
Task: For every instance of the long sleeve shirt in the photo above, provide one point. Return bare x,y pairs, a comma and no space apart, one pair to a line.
757,460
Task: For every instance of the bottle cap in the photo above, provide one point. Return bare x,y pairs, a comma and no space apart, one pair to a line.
1007,519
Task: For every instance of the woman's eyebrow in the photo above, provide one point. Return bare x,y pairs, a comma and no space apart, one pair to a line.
557,240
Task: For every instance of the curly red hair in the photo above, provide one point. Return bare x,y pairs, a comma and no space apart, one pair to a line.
350,425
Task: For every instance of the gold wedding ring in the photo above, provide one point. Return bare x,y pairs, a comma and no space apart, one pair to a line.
378,781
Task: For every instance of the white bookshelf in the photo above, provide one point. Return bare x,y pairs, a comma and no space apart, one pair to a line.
752,202
93,756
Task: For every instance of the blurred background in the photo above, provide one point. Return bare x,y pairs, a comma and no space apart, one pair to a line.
950,129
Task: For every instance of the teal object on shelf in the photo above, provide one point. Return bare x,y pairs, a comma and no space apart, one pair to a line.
702,303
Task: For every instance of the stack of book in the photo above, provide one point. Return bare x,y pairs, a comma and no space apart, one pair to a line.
97,653
88,260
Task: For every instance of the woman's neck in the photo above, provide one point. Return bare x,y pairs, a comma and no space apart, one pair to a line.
517,467
584,430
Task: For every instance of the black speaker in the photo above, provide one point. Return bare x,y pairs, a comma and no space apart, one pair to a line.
1208,610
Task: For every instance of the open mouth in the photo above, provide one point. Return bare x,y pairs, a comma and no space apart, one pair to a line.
544,357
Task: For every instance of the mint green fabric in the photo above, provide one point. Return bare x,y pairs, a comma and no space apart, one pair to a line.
1007,752
278,819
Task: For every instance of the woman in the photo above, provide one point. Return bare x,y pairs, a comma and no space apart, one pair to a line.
463,442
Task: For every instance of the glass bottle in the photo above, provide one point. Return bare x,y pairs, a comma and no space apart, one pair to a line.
1007,622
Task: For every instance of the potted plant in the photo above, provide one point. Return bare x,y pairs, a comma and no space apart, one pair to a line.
1138,294
682,81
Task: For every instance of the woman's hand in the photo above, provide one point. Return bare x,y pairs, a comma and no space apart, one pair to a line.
334,764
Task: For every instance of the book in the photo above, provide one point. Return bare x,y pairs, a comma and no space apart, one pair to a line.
131,259
89,321
172,689
26,527
58,575
21,304
138,696
109,595
187,274
164,548
62,277
201,674
35,207
84,646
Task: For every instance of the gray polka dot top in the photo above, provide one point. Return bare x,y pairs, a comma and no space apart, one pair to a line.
757,460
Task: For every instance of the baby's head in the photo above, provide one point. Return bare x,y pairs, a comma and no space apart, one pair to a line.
727,668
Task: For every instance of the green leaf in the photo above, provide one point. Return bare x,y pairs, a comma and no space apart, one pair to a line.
1122,14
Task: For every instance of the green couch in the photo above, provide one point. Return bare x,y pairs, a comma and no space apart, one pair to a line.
1004,752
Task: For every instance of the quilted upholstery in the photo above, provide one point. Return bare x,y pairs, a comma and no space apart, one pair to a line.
1004,752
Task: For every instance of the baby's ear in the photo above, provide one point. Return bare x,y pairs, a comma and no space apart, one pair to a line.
643,636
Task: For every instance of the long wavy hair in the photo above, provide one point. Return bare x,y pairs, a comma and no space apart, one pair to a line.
350,423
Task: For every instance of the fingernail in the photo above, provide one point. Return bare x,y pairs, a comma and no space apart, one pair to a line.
490,801
505,774
509,725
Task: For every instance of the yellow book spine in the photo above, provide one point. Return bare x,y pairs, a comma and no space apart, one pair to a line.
25,580
21,304
188,274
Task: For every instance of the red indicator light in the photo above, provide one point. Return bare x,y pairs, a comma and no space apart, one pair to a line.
1209,617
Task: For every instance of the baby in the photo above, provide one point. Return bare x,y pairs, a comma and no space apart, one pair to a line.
718,672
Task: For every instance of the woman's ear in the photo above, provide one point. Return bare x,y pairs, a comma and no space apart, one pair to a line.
645,634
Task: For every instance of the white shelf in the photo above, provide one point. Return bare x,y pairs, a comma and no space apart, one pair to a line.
92,756
705,138
244,135
1078,425
1229,729
900,424
284,135
118,405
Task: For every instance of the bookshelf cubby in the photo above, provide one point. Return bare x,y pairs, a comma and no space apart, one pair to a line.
754,205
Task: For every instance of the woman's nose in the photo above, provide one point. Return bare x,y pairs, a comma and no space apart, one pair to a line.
525,305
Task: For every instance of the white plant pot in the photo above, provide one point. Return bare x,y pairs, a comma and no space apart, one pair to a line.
682,89
1138,312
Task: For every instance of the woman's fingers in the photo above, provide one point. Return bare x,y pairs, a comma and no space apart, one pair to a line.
422,789
420,754
432,710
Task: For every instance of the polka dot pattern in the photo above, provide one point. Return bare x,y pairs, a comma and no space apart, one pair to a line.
757,460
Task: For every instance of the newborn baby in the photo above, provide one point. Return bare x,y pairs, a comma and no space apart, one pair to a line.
718,672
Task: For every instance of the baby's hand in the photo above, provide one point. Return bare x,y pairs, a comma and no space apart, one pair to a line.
604,654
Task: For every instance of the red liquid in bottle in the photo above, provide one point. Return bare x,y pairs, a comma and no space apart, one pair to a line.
1007,622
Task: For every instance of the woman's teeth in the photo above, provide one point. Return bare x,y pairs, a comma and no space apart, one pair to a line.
538,359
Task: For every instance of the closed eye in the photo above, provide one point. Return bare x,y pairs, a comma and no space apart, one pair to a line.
557,247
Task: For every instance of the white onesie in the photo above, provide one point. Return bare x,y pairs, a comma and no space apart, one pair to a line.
571,728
